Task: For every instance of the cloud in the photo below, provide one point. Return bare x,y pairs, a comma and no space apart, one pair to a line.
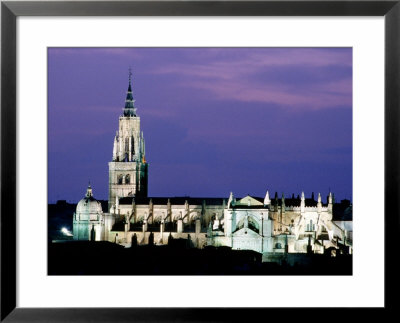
237,77
321,96
95,51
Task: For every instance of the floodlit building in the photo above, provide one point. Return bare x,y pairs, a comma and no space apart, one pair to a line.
269,226
88,222
128,168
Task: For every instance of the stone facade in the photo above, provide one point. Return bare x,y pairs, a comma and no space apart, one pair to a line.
293,226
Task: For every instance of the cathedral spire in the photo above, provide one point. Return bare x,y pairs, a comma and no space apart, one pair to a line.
129,110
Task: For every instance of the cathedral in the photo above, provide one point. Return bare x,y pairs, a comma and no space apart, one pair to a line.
269,225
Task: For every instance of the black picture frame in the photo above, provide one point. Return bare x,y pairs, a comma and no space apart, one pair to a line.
10,10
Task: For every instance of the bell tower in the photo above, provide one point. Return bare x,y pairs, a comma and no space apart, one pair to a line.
128,169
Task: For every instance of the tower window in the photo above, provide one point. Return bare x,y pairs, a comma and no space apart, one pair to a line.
120,179
126,144
127,179
310,226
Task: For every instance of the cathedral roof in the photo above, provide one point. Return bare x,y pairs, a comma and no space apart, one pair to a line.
177,200
339,211
309,202
249,206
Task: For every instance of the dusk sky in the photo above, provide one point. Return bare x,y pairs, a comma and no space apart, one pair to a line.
215,120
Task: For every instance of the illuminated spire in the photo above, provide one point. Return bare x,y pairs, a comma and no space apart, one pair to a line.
129,110
302,203
267,200
330,202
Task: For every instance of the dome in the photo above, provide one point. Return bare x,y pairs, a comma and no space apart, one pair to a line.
88,207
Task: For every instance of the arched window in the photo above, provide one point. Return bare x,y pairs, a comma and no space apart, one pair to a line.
133,145
120,179
128,179
311,226
251,224
126,144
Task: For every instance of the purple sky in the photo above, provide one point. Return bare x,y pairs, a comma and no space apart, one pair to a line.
215,120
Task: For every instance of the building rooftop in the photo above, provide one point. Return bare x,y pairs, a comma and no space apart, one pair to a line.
176,200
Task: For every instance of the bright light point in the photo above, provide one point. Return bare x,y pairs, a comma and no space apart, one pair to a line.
66,232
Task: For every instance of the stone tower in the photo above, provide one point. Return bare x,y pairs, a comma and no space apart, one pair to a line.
128,169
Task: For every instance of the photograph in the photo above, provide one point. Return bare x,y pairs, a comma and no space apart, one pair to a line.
170,146
200,160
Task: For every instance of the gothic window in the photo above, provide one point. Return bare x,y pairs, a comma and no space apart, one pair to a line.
251,224
127,179
133,145
310,226
278,246
126,144
120,179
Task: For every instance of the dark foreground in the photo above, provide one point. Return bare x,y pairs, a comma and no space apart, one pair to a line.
105,258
